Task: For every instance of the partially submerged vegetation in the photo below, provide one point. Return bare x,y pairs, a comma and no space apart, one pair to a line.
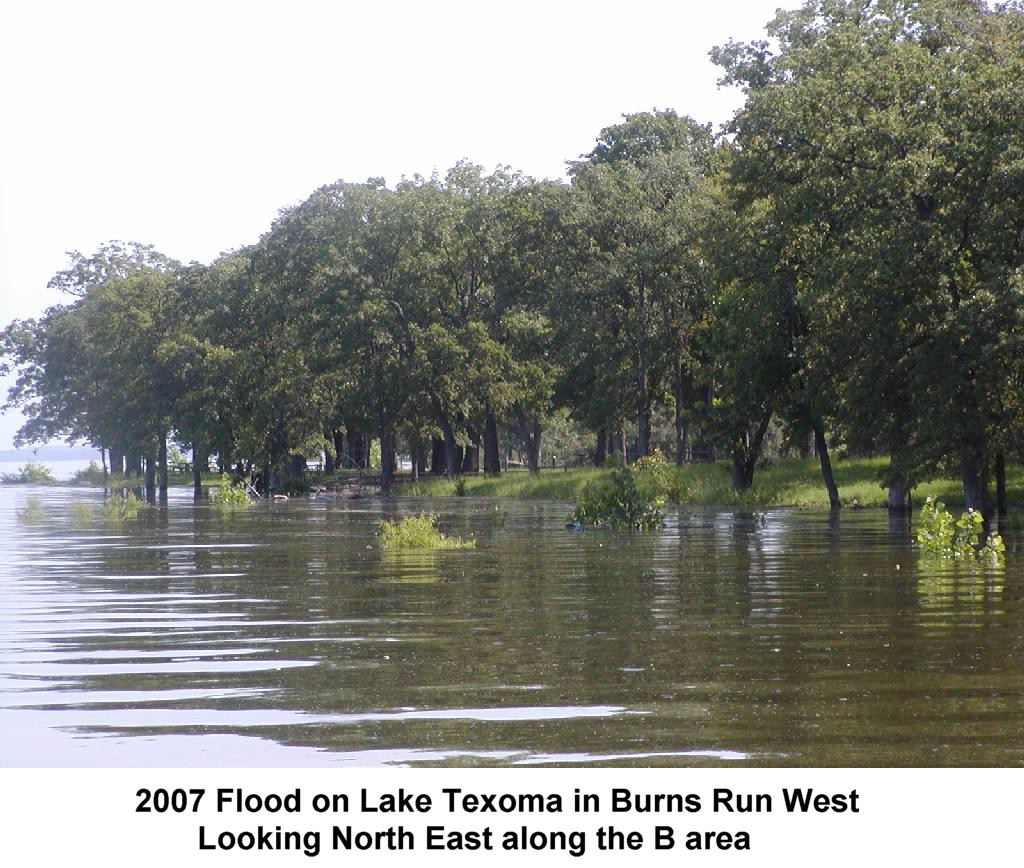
418,532
32,473
122,506
32,512
630,497
939,535
230,495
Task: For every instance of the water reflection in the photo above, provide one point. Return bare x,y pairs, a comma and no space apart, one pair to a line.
283,635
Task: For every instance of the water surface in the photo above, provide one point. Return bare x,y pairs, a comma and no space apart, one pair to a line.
283,636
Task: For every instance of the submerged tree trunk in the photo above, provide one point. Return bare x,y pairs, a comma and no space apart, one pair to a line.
601,450
198,461
162,453
150,462
492,457
745,454
821,447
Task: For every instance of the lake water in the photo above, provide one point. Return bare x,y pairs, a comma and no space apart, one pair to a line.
283,636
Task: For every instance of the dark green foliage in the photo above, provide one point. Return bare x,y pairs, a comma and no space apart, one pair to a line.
622,499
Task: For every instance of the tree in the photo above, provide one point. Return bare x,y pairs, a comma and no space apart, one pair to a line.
888,134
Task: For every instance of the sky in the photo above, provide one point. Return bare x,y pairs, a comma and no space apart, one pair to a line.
189,125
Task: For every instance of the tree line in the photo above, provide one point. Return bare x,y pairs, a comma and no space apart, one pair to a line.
844,260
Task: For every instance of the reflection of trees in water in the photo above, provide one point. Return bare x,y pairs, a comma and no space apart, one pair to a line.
729,632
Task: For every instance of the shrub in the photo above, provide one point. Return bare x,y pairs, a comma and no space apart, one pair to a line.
31,473
81,513
91,475
419,532
33,512
230,495
940,536
622,499
122,507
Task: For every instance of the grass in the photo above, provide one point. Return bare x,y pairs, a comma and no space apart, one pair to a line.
419,532
789,482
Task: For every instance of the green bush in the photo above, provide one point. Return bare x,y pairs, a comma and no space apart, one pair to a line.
31,473
91,475
122,507
624,498
419,532
33,513
940,536
230,495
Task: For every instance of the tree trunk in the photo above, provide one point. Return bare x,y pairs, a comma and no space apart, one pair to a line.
898,496
357,449
1001,506
471,457
974,476
328,460
162,453
415,447
452,457
103,461
437,459
492,457
150,462
643,425
703,449
821,447
746,453
198,460
387,458
617,444
340,453
601,450
530,431
682,440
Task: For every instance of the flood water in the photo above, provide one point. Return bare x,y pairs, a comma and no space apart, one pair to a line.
283,636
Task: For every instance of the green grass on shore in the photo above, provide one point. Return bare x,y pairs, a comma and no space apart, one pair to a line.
790,482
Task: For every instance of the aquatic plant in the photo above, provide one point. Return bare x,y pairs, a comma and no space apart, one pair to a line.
940,535
419,532
230,495
81,513
122,507
621,499
33,512
31,473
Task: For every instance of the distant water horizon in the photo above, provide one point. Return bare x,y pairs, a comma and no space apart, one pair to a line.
51,452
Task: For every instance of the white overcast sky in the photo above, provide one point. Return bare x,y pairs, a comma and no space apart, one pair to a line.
188,125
